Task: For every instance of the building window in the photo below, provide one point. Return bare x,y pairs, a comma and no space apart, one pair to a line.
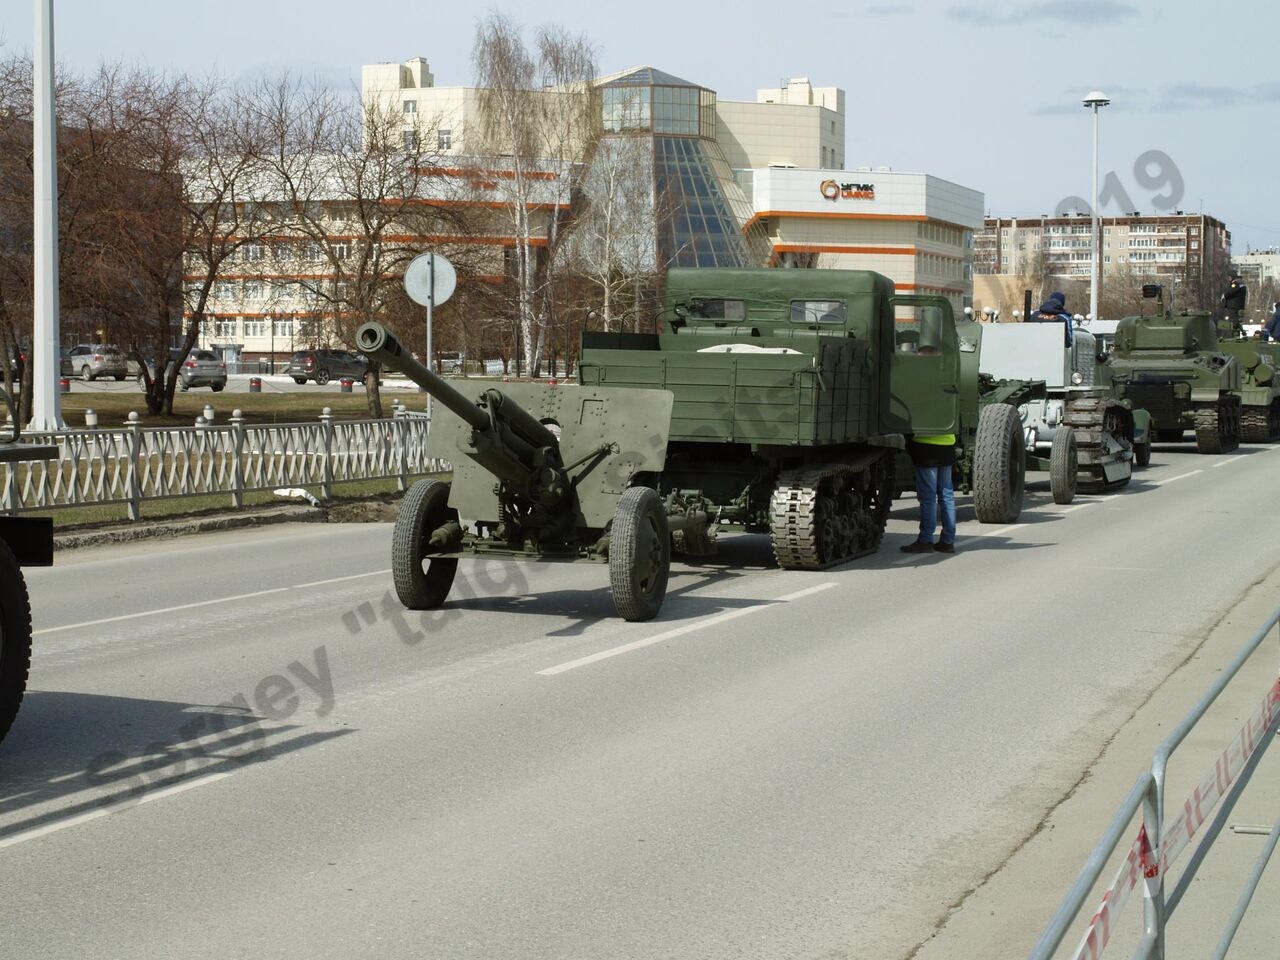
282,328
411,141
340,250
253,290
411,106
284,252
224,290
833,126
254,328
224,329
254,252
444,140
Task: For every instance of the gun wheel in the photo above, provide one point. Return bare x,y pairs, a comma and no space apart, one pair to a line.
421,582
15,638
1064,465
639,554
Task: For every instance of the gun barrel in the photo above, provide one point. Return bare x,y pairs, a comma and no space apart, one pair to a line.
378,343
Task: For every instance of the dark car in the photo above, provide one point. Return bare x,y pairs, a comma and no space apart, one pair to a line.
202,368
325,365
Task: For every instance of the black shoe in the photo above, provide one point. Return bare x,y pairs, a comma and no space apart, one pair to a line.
944,547
919,546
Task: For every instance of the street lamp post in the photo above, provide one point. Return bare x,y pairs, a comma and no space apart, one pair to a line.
1095,100
46,405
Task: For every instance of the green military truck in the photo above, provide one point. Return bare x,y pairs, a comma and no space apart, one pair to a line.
1169,364
770,401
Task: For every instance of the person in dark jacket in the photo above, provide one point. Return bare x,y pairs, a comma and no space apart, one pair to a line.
1233,302
1054,309
933,456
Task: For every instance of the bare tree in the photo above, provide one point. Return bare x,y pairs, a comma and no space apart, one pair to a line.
364,200
535,103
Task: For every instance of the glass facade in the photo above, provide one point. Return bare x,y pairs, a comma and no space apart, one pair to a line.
700,212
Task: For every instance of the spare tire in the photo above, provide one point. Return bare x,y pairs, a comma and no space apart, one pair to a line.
999,465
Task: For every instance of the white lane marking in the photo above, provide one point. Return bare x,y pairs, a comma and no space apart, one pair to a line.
206,603
354,576
1223,463
152,613
1078,506
680,631
114,807
1181,476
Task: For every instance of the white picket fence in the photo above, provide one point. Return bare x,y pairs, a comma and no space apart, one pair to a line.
133,464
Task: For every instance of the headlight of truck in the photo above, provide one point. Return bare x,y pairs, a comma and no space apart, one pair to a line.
1022,412
1077,379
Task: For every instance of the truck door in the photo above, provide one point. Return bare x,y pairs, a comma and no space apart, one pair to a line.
924,371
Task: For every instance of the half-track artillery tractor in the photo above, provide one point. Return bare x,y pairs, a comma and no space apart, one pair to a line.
772,401
1169,364
1073,427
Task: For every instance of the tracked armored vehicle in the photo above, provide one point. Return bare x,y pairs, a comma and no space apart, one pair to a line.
772,401
1259,387
1169,364
1073,427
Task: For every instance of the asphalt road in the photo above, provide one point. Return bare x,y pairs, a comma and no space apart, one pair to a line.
239,746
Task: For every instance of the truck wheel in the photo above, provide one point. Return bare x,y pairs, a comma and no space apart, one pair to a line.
425,507
999,465
1064,465
639,554
15,638
1142,451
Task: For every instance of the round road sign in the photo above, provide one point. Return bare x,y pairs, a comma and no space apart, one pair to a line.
418,279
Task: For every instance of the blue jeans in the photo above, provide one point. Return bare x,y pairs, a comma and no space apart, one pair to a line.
933,488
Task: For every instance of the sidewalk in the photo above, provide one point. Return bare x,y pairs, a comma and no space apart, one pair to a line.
1004,917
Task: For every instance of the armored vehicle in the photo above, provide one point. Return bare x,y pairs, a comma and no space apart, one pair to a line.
1072,426
772,401
1259,387
1170,365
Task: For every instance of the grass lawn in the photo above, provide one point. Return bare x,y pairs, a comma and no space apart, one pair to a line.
113,407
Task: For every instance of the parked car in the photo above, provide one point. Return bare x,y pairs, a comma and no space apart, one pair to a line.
89,361
64,363
325,365
202,368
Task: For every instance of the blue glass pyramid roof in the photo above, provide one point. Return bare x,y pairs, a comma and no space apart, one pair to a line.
644,77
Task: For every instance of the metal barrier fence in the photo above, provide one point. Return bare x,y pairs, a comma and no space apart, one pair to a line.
133,464
1158,844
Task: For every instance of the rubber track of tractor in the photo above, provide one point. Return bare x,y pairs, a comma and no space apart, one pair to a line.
793,514
1209,437
1087,417
1260,424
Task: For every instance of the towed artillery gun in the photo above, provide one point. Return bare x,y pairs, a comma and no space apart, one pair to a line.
773,401
1072,425
1169,364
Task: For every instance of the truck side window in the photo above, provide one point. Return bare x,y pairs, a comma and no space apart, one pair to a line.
818,311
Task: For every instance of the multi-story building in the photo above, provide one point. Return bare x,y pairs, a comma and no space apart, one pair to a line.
727,183
1258,266
1193,249
914,228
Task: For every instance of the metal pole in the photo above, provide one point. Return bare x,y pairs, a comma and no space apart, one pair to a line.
431,299
1094,260
46,404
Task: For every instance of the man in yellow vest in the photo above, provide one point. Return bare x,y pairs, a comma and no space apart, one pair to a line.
933,456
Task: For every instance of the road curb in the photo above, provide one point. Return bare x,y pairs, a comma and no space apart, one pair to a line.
167,529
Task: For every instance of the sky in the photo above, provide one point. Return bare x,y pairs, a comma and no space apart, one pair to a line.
987,95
